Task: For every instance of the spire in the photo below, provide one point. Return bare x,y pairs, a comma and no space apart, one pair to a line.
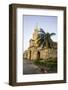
46,29
37,28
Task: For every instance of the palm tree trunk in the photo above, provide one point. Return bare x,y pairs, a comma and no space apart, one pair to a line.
47,44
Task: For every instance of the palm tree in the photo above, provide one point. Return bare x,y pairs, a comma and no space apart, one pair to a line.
49,42
44,39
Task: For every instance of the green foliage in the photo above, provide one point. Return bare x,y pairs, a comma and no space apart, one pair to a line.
44,39
50,64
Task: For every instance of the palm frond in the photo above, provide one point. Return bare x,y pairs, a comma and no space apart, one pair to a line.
44,38
52,34
41,30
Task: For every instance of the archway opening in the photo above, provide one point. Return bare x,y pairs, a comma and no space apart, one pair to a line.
38,55
30,55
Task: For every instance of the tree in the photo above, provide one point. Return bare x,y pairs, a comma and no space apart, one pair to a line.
44,39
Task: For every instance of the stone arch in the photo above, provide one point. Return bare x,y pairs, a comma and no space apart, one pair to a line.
38,55
30,54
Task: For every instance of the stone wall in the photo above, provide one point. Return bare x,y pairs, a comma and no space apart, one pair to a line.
48,53
34,54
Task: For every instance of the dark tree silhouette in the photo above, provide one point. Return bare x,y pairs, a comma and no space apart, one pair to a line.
44,39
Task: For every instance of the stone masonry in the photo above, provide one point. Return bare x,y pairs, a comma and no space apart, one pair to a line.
34,52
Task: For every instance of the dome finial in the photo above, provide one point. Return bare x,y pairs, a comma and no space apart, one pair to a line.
37,27
46,29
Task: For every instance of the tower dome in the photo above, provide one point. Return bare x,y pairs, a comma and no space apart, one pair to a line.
36,30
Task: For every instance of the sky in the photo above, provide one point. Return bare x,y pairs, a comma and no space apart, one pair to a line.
47,23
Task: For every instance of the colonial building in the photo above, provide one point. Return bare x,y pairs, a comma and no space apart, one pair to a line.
35,51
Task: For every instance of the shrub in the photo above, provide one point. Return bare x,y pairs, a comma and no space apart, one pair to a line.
50,63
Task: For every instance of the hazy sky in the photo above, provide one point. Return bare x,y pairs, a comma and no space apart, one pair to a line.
47,23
